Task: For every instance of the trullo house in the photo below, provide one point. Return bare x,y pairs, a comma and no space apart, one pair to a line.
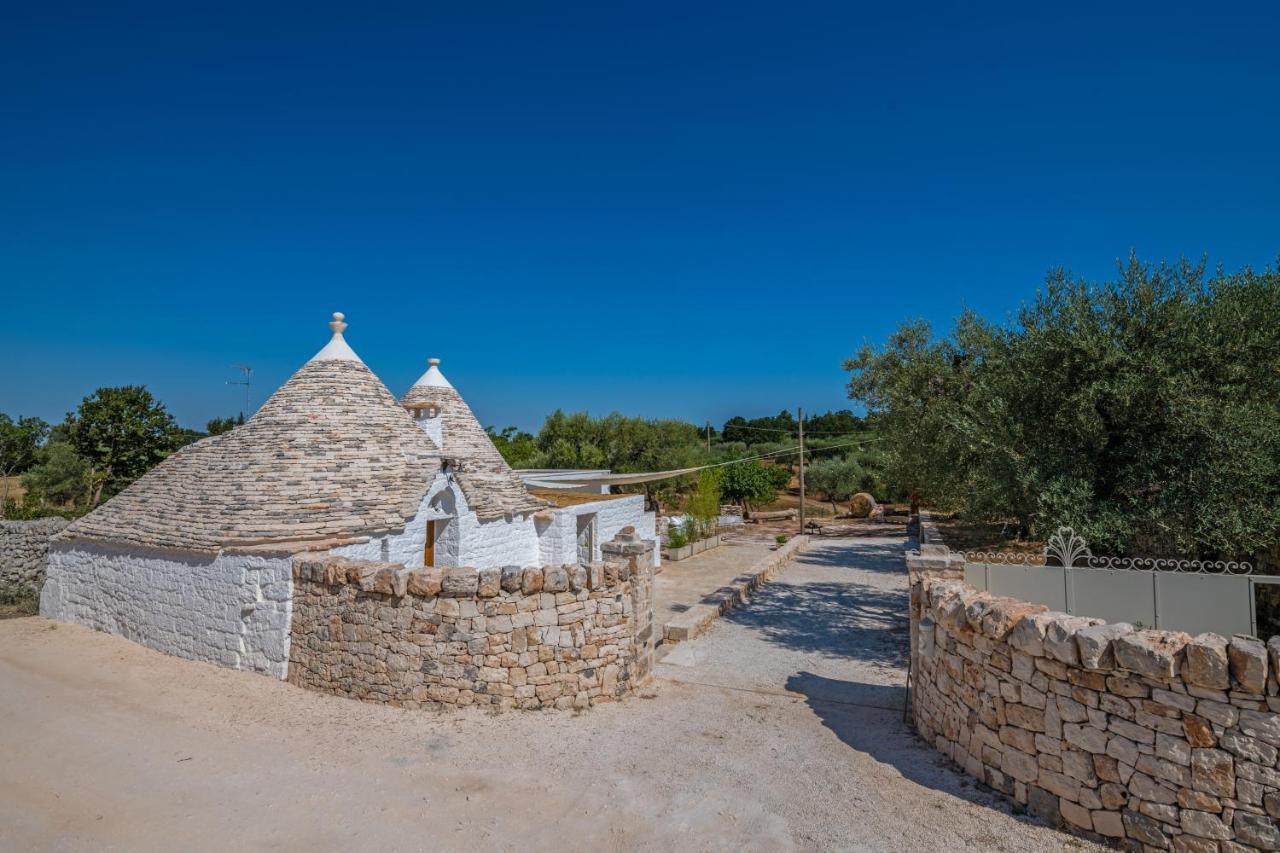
195,558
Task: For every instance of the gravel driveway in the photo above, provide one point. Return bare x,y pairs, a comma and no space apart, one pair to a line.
780,729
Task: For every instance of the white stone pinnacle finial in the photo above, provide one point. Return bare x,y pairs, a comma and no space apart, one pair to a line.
433,378
337,349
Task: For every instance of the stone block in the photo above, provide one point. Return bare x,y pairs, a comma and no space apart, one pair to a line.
488,582
1155,654
1139,827
1248,663
1263,725
1204,825
1005,614
555,579
1213,772
1093,644
1258,830
1108,823
1027,635
1207,664
531,581
1060,637
459,582
512,577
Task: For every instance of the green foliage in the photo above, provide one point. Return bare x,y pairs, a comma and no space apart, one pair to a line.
122,433
520,449
677,537
1144,412
834,479
61,478
703,506
781,539
19,447
218,426
624,445
751,483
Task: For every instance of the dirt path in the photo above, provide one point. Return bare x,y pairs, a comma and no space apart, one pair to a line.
107,745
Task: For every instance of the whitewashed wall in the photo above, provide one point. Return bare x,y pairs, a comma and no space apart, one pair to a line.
558,542
232,609
464,541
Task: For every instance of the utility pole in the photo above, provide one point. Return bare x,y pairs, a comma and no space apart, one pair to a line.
708,436
245,371
800,418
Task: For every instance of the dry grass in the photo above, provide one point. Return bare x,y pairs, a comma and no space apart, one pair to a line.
986,536
15,607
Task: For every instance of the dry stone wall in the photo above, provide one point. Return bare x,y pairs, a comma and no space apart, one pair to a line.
1153,738
546,637
24,554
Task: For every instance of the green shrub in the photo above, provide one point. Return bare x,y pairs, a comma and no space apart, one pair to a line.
677,538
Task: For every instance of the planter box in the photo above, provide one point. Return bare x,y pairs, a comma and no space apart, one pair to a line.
675,555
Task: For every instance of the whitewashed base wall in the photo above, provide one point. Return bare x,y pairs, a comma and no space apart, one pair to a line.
229,609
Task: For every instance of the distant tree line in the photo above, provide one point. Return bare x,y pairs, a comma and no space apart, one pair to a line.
1144,412
112,438
626,444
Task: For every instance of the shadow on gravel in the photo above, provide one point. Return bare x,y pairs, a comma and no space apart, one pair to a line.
881,558
868,718
834,620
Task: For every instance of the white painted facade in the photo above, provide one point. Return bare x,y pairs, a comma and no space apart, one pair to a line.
229,609
558,538
462,539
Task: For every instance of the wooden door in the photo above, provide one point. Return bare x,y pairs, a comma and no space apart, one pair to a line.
429,551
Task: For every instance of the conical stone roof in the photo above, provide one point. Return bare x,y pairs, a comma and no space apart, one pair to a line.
330,457
491,488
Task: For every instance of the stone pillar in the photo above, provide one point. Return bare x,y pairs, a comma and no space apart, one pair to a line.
632,557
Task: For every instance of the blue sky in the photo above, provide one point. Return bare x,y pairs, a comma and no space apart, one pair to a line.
691,210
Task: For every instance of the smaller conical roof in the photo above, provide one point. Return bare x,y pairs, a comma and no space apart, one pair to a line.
492,489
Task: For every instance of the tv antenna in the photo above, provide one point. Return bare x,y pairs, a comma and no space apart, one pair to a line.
245,371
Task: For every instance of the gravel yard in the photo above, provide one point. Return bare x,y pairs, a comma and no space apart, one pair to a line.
779,729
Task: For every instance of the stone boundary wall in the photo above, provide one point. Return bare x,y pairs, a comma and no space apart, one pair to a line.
1156,738
550,637
24,554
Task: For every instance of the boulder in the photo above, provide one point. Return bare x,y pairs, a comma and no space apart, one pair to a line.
1156,654
1207,664
861,505
1248,662
1093,643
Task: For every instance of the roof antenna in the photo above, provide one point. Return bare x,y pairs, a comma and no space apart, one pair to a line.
246,371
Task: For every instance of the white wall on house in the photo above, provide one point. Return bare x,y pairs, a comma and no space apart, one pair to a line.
229,609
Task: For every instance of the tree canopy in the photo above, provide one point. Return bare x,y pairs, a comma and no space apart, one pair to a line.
1144,412
121,433
19,447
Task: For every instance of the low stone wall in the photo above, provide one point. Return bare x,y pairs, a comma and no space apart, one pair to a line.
24,554
550,637
1155,737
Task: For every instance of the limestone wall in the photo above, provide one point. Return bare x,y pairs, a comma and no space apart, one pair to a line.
1155,737
24,552
230,609
548,637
